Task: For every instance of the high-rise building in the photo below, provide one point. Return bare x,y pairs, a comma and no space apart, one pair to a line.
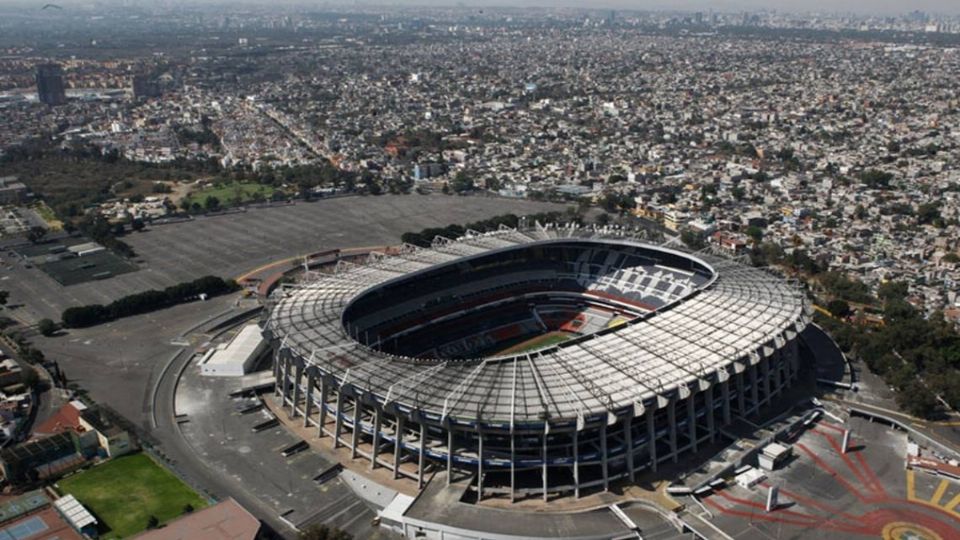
50,87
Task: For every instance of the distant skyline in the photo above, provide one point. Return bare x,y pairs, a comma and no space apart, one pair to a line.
866,7
863,7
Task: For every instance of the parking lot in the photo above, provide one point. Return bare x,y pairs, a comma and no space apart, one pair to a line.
221,435
825,494
227,245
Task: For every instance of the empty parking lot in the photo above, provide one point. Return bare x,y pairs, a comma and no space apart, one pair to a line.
230,244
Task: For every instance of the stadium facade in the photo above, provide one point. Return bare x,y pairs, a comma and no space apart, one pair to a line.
536,361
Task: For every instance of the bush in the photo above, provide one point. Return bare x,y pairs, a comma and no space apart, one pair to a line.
47,327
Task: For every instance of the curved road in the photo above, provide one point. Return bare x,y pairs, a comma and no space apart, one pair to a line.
188,463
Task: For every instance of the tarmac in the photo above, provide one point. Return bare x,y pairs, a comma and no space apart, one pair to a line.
282,489
826,494
230,244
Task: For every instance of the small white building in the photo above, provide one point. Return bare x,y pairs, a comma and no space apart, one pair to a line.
750,477
773,455
76,515
235,358
87,248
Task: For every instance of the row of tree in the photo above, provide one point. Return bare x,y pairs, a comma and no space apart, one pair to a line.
147,301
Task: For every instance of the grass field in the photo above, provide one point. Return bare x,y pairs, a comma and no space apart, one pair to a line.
47,214
231,194
539,342
125,492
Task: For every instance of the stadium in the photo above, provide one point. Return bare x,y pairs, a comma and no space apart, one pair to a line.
533,362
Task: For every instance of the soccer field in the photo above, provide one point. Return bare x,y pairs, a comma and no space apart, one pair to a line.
125,492
538,342
232,194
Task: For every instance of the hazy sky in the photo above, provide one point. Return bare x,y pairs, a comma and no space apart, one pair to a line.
884,7
878,7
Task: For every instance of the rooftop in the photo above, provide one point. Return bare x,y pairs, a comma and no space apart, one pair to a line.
226,520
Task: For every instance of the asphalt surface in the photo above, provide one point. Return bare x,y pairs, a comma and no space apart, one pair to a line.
230,244
210,441
825,494
118,363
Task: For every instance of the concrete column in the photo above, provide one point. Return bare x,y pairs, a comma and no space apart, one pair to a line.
725,395
356,428
787,366
795,358
286,383
308,404
480,466
672,420
397,446
754,390
628,426
692,423
544,456
741,390
298,374
421,458
323,406
449,454
376,437
576,463
513,466
603,456
338,420
652,439
711,424
278,362
778,374
765,374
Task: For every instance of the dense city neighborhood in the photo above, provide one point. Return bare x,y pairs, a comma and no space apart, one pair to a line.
183,189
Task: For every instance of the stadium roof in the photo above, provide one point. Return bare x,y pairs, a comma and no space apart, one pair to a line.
743,314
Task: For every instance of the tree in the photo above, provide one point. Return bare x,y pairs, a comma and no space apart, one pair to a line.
153,522
137,224
839,308
4,296
323,532
692,239
212,203
36,234
187,508
917,399
892,290
47,327
927,213
462,182
756,233
876,179
29,377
